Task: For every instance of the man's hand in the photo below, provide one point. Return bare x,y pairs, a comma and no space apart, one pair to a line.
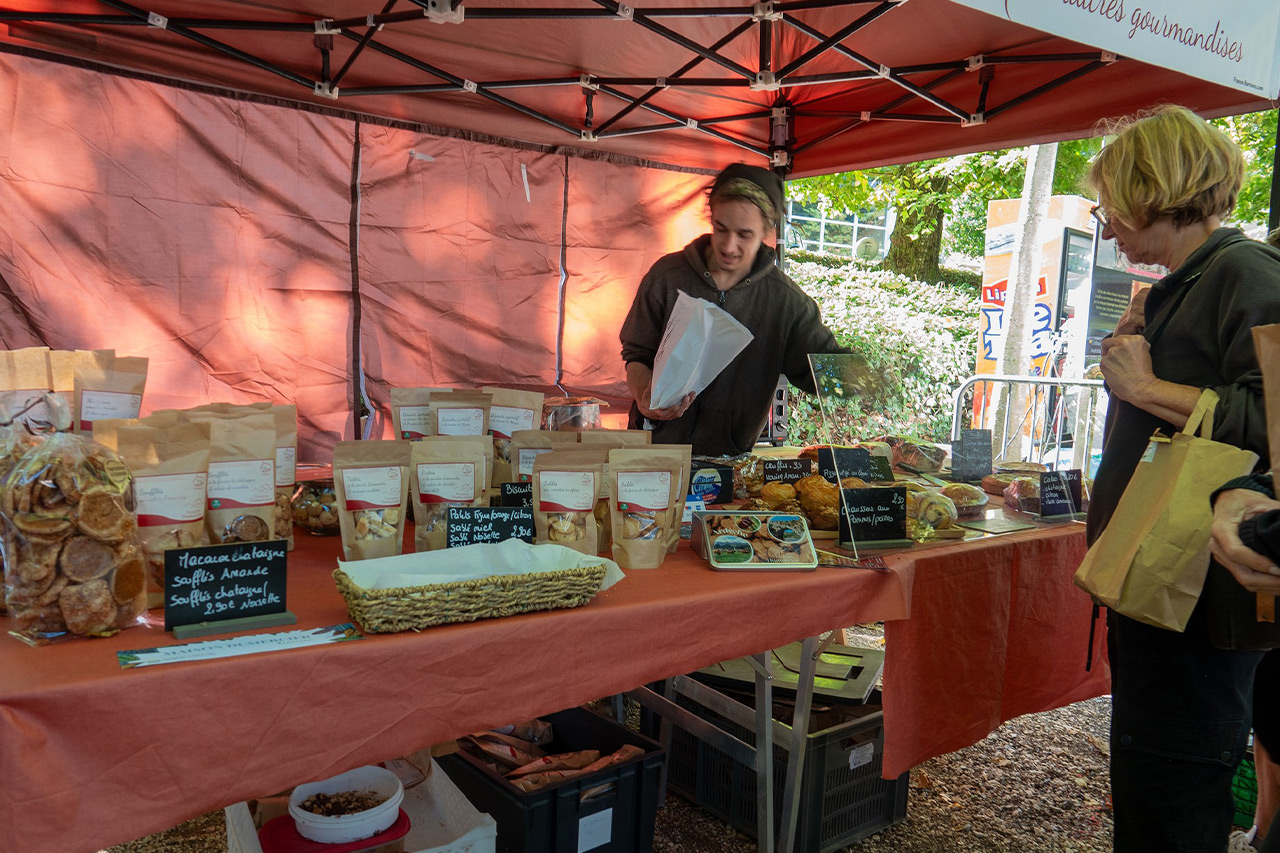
1252,570
1132,321
1126,365
668,414
640,381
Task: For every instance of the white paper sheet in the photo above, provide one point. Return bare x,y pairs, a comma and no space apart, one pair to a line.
511,557
699,341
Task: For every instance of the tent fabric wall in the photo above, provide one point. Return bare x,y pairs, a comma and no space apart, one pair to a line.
459,273
212,235
205,234
619,222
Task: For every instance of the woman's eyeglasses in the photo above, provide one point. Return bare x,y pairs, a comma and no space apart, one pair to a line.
1100,215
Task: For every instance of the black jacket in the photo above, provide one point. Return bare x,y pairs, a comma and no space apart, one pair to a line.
1199,320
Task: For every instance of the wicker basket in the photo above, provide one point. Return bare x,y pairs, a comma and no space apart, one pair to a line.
383,611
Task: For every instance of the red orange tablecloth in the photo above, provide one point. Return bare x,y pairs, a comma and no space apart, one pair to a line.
93,755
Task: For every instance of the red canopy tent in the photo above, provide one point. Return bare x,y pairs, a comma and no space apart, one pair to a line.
291,200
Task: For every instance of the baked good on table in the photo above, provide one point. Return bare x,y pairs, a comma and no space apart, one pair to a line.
970,501
820,499
1019,467
913,452
1023,494
995,484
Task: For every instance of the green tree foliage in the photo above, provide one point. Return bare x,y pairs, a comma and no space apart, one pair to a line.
942,204
1255,133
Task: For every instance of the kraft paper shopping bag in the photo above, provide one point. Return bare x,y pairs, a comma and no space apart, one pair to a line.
1151,560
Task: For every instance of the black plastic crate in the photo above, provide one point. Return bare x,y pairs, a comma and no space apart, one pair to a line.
842,797
617,819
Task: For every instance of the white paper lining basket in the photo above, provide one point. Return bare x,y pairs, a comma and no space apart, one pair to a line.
418,607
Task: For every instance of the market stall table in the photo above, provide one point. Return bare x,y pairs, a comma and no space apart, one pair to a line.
94,755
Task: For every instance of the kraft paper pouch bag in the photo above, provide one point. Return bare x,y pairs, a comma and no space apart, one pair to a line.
564,500
486,444
371,482
107,431
240,504
286,470
510,411
597,456
107,386
409,412
602,441
1234,617
1150,562
527,445
680,456
461,412
170,470
445,472
24,379
644,505
616,437
62,372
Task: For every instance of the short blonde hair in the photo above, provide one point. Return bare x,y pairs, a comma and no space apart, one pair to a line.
1167,163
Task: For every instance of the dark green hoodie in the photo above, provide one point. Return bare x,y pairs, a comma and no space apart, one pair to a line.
728,417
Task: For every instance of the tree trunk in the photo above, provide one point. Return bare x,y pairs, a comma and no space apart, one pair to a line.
1020,299
916,243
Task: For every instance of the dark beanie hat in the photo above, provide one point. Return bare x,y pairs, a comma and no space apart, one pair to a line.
758,175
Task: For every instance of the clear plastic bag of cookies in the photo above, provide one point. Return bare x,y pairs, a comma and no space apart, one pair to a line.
73,561
14,443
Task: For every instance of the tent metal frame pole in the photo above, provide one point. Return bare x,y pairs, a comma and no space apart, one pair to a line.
684,122
888,106
676,82
891,76
687,67
358,49
833,77
1273,218
831,41
353,240
1047,87
642,19
199,38
458,84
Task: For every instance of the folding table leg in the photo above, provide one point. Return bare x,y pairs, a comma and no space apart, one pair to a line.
799,734
664,737
764,752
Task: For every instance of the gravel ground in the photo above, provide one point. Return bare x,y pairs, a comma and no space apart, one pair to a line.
1038,784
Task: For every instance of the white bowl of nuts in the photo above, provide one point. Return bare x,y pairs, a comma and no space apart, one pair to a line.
347,807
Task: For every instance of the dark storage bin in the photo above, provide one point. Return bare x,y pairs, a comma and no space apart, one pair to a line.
842,797
617,819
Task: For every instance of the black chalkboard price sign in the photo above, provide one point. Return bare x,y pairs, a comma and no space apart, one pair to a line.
876,516
472,525
971,456
787,470
853,462
221,582
1060,495
516,494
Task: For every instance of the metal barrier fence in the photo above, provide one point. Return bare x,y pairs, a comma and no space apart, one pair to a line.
1034,418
